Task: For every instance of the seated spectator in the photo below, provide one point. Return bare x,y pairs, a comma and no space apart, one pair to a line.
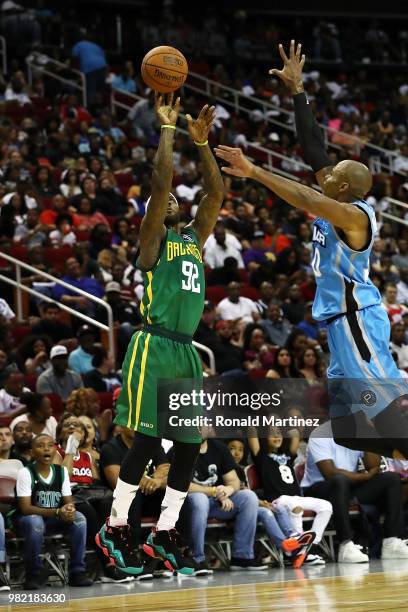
87,217
236,307
276,521
109,199
240,223
277,329
143,118
331,473
89,444
386,268
80,359
283,366
256,253
50,324
69,186
257,354
38,413
35,351
85,402
59,205
294,306
309,365
394,310
74,277
402,286
400,259
266,294
274,458
42,182
59,379
10,396
215,493
228,357
15,91
22,437
102,377
45,504
205,333
221,245
124,80
9,466
308,324
297,342
399,345
63,233
105,262
30,232
226,274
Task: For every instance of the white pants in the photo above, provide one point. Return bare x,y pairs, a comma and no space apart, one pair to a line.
321,507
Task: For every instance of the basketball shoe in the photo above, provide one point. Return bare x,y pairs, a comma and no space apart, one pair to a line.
166,545
117,544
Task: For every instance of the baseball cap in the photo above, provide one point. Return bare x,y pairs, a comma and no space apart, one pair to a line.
112,286
85,329
58,351
258,234
208,305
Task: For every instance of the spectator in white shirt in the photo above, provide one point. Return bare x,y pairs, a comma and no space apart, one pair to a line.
221,245
6,312
402,287
10,404
189,186
331,473
401,161
15,91
398,345
237,307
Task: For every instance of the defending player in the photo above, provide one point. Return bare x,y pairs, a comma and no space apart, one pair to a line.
343,234
171,308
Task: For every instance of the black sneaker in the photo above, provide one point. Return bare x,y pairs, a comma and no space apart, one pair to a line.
237,564
201,568
165,545
118,544
4,583
36,581
79,579
111,573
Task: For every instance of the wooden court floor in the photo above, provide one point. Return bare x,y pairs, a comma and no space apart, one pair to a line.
374,591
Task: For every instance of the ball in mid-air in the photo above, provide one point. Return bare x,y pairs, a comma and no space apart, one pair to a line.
164,69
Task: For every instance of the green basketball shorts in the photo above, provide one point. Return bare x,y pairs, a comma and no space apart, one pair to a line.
151,361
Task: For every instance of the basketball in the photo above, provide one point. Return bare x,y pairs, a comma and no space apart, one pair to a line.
164,69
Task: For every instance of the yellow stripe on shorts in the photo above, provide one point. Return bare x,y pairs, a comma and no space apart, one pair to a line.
141,379
130,374
149,295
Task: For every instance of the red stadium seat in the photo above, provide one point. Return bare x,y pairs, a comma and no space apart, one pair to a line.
57,257
215,294
7,490
106,400
30,381
21,332
300,471
250,292
257,373
253,477
19,252
57,405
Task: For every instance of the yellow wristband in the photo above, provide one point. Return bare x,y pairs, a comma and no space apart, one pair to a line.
201,144
57,513
169,127
214,491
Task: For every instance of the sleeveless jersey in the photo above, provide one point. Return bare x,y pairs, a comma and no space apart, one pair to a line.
342,280
81,468
174,289
45,495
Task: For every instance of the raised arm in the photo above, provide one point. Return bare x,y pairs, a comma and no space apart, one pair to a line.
308,131
209,207
152,229
345,216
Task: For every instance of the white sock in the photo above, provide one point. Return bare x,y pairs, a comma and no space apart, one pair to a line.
170,509
123,496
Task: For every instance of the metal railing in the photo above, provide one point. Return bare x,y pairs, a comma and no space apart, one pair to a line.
3,54
390,216
238,100
20,287
43,64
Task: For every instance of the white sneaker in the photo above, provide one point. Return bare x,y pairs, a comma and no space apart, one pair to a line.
351,553
394,548
312,559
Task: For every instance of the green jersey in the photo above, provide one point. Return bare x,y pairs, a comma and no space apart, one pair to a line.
174,288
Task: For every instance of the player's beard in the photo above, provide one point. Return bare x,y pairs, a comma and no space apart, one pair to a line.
172,220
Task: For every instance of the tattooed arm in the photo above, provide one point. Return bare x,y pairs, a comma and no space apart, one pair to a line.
209,207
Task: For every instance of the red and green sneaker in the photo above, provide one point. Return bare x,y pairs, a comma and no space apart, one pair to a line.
165,545
118,545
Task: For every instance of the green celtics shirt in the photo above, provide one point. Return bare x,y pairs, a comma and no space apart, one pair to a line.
174,288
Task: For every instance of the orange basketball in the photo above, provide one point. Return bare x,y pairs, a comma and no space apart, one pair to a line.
164,69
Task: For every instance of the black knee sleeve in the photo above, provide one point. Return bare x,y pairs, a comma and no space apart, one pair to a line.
137,457
182,465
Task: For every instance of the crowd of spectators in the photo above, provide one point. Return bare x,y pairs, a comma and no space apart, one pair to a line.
73,186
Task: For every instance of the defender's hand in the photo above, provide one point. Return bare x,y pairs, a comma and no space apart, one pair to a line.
167,112
239,164
200,128
291,74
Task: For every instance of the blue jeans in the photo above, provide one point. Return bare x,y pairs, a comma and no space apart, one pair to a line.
278,525
245,513
34,527
2,540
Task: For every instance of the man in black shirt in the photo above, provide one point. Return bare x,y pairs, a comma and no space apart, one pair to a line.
102,378
228,358
205,333
215,493
22,436
50,325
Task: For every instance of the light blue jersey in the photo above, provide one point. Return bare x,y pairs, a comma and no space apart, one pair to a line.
342,280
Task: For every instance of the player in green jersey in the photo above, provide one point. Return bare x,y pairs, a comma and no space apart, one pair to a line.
173,301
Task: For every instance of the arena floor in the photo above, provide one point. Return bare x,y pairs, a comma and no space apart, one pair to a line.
379,586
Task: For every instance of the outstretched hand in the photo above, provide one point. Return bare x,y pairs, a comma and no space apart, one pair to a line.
291,73
239,164
200,128
167,111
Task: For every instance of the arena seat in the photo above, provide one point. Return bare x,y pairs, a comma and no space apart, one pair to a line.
250,292
30,381
215,294
257,373
56,258
7,490
57,405
106,400
20,332
253,477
